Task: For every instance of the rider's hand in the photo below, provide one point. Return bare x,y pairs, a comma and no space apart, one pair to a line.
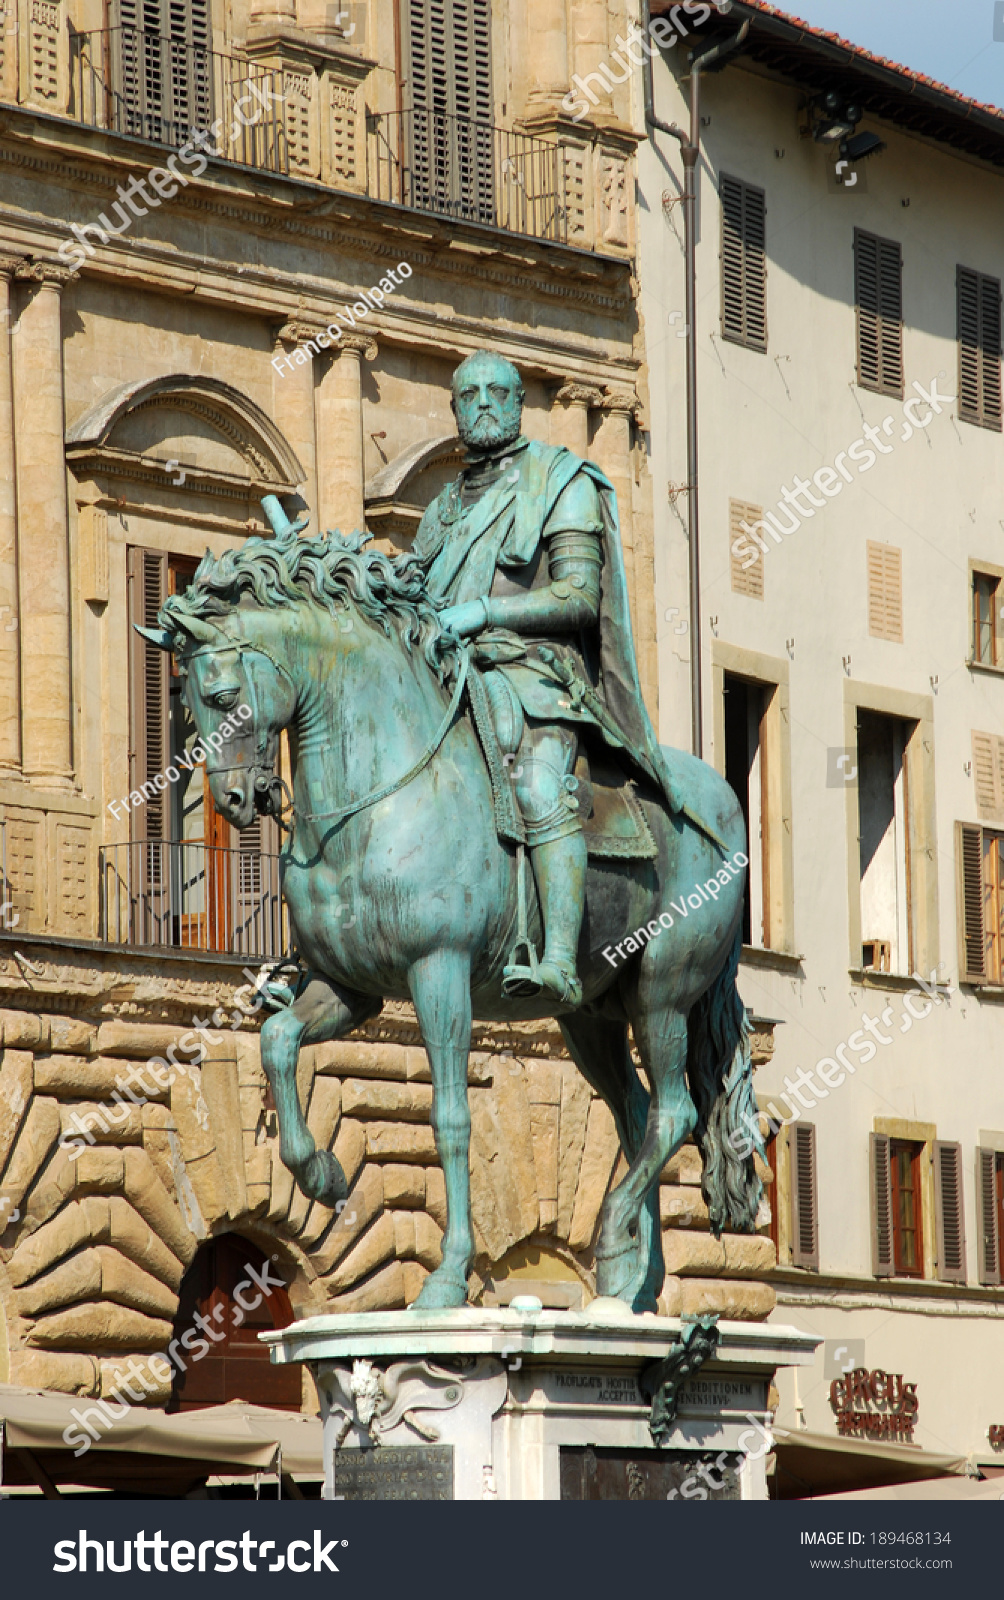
468,618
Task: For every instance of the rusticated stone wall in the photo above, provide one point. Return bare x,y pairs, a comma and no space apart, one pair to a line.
91,1266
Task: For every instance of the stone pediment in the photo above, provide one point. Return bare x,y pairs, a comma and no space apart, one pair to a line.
225,442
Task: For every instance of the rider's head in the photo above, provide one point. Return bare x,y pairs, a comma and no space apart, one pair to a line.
487,401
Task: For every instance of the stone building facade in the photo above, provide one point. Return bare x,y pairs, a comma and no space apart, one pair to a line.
163,366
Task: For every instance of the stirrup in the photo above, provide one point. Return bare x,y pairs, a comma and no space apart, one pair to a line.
521,979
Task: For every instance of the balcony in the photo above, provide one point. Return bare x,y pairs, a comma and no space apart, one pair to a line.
271,117
191,897
472,171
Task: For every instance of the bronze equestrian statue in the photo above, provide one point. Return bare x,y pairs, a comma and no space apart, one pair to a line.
449,710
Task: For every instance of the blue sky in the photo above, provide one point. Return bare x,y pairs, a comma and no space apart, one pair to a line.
951,40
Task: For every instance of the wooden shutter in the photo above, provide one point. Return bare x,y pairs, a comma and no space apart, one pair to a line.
881,1195
969,900
161,68
949,1212
988,775
885,592
745,580
979,332
148,692
986,1203
804,1207
447,70
744,263
878,298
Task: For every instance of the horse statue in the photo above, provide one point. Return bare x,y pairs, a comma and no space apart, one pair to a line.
398,885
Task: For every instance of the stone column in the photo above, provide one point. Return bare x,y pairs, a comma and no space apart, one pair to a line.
612,449
569,423
340,468
548,54
293,405
10,686
43,544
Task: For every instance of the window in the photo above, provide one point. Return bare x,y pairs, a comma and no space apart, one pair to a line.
897,1230
985,597
885,592
804,1203
990,1201
747,575
988,775
446,68
162,68
980,899
747,771
744,264
752,751
191,878
878,299
948,1212
884,843
979,332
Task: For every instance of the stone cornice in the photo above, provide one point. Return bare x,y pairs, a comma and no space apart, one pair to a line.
335,217
291,43
50,273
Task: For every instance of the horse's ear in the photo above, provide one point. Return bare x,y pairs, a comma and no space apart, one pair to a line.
158,636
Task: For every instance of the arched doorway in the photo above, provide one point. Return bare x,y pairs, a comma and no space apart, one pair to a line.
230,1294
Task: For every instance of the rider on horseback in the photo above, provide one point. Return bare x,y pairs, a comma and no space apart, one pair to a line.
523,552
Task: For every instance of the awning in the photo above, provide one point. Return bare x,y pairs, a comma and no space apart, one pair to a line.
937,1489
811,1464
189,1445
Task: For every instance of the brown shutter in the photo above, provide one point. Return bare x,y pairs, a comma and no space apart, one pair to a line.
885,592
447,66
744,263
986,1205
990,351
979,331
804,1207
969,900
148,692
881,1191
949,1212
746,580
878,297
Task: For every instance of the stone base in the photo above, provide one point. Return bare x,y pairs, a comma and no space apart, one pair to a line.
520,1403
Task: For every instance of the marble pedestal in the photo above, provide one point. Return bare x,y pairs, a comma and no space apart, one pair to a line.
527,1404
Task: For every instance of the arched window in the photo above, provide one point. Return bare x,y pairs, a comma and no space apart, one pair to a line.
229,1296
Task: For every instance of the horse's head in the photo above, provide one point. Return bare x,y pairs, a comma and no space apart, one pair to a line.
239,697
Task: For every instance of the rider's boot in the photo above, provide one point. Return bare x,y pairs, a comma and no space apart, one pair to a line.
560,870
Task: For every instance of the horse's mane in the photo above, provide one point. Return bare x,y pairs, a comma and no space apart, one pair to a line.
330,570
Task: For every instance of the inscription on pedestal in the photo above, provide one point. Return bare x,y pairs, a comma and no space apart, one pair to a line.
718,1393
409,1472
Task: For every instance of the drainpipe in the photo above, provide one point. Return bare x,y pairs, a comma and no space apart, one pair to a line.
690,149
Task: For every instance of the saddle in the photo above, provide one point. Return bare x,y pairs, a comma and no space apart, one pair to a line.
613,821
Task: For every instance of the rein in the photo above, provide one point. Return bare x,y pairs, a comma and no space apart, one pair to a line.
264,766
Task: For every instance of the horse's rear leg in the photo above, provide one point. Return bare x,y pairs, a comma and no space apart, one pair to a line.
440,987
323,1011
599,1048
660,1033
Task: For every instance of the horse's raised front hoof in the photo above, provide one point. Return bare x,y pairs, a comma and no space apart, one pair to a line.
323,1179
441,1291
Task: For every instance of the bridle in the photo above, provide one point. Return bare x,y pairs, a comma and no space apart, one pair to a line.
266,782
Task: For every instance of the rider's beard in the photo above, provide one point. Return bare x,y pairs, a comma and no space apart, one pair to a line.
486,434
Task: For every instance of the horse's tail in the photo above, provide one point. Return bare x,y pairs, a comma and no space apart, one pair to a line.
720,1074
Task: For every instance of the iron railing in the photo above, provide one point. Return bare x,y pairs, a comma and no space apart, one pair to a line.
474,171
132,81
191,897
